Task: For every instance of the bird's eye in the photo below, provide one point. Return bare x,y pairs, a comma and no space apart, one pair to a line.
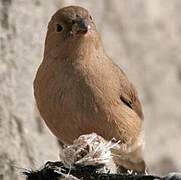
91,17
59,28
73,21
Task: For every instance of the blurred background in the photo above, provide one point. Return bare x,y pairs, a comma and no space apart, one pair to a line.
142,36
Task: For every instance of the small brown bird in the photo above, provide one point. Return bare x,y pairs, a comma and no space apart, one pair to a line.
79,90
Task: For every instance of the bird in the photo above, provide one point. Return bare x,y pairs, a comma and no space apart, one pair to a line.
79,89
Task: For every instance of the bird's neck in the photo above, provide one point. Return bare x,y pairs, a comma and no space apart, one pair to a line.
81,49
86,49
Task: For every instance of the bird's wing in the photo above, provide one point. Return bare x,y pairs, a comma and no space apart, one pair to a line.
128,94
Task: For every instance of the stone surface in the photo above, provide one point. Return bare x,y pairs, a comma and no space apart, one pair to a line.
142,36
24,140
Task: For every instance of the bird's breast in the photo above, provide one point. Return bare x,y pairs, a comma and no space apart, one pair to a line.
76,99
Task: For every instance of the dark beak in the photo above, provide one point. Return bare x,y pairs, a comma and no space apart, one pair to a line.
81,26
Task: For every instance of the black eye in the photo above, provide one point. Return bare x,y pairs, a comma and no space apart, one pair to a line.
59,28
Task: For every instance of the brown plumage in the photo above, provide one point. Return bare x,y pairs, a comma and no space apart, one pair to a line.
79,90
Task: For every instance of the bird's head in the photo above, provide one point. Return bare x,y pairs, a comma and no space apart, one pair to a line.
71,27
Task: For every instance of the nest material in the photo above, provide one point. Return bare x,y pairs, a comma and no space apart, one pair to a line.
89,149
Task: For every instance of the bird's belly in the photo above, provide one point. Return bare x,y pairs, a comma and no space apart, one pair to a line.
76,114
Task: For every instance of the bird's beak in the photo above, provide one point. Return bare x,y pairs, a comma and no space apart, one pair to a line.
81,26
